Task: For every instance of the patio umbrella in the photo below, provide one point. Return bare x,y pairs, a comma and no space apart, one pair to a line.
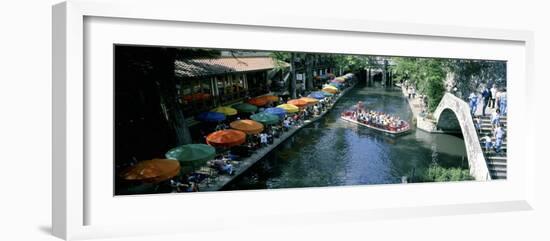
280,112
297,102
258,101
192,153
210,116
336,84
226,138
245,108
317,95
310,101
247,126
340,79
154,171
265,118
330,89
225,110
327,94
271,97
289,108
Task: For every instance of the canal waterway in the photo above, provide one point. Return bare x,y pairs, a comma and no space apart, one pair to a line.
332,152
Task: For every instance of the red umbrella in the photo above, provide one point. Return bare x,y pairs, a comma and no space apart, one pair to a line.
258,101
226,138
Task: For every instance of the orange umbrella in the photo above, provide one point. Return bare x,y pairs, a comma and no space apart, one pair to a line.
310,101
226,138
297,102
154,171
248,126
271,97
258,101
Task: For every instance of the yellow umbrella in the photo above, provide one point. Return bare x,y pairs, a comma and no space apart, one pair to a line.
289,108
225,110
330,89
340,79
310,101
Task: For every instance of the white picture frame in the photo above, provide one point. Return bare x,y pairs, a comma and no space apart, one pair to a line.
74,198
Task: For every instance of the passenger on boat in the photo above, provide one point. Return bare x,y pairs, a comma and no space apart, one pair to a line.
376,119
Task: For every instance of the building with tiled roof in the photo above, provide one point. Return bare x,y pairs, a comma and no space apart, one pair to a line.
223,65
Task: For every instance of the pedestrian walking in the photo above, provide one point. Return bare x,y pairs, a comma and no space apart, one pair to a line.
486,95
499,137
502,102
473,103
487,141
495,119
493,96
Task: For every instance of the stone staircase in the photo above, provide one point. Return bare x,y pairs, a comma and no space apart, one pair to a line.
496,162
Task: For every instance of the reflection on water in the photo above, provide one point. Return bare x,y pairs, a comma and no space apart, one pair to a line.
333,152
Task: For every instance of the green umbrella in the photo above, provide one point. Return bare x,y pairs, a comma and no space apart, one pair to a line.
265,118
192,153
244,107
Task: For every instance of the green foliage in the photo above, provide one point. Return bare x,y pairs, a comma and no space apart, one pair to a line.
472,75
437,173
426,74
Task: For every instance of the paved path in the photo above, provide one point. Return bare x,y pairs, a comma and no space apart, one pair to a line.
422,122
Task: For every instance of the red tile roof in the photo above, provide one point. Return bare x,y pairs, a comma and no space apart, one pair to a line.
205,67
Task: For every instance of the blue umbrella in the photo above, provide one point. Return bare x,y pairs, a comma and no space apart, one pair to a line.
210,117
317,95
280,112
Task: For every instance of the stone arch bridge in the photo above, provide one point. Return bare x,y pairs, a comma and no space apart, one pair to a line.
453,115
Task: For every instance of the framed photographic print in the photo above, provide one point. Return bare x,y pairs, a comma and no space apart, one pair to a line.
224,119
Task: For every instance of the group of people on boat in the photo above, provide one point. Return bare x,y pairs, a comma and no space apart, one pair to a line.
376,119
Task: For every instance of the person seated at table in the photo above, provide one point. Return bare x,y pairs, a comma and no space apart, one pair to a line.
223,166
286,124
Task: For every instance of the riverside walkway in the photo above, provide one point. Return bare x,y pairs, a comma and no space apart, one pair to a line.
422,122
240,166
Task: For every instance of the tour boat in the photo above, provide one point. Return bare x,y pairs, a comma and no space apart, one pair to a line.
348,116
